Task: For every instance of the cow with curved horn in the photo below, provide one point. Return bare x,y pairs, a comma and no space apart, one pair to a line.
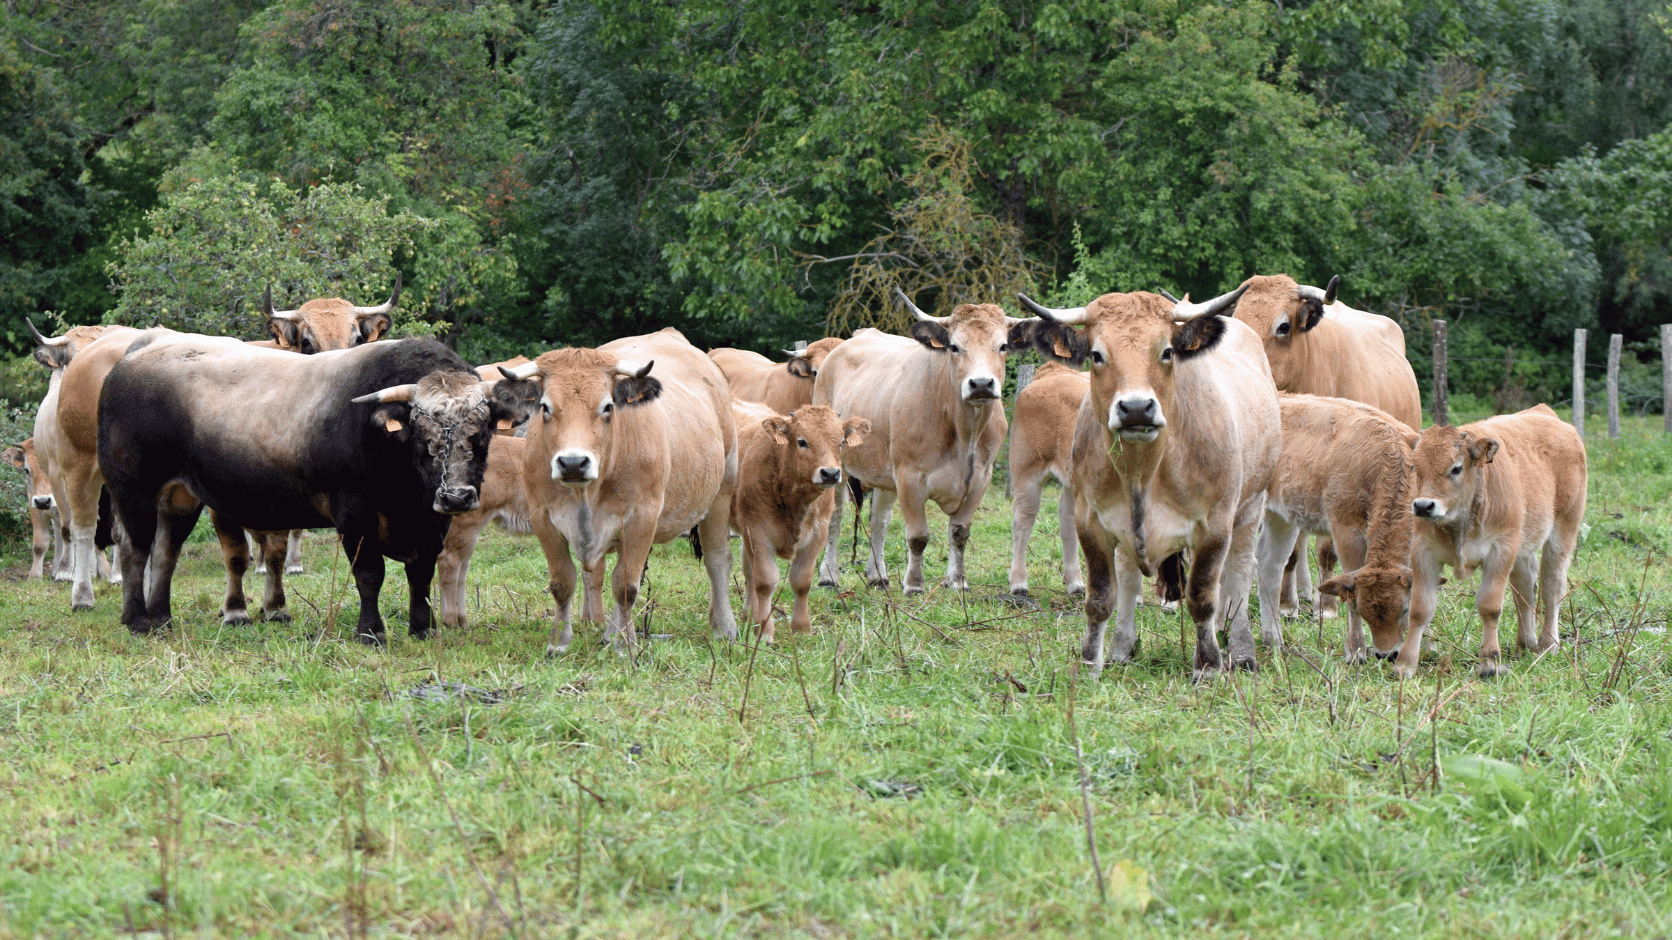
780,386
384,443
327,323
1174,447
937,420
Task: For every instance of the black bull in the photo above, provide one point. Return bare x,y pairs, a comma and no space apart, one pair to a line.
274,441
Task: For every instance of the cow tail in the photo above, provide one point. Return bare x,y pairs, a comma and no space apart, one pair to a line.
857,489
1169,578
696,542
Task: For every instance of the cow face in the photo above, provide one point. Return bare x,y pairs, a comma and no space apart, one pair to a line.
975,339
23,458
580,392
328,323
805,363
446,419
55,352
1281,312
1382,597
815,436
1448,469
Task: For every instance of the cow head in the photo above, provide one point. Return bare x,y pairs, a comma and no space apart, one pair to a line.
1448,470
328,323
579,392
55,352
447,419
1281,312
975,339
805,363
40,488
1382,596
814,437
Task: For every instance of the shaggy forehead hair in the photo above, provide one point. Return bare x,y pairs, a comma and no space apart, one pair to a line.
1134,316
579,371
1267,298
449,396
1437,449
977,315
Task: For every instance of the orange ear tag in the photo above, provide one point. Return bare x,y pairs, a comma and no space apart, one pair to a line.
505,424
391,425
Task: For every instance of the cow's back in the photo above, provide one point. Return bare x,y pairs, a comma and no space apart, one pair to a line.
1365,322
862,378
1336,453
1540,467
1348,358
78,394
747,373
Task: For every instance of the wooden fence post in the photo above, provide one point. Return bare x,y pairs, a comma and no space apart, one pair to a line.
1441,385
1666,374
1614,387
1579,382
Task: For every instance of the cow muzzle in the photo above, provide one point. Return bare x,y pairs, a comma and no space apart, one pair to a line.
1387,656
43,503
1137,418
452,500
574,468
981,388
1426,508
828,476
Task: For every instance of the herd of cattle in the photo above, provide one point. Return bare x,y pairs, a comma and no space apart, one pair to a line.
1202,444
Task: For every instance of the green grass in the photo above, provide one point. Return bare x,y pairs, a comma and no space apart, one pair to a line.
908,770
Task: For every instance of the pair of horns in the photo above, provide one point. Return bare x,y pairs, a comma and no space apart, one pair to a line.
625,367
360,312
1182,309
943,321
45,340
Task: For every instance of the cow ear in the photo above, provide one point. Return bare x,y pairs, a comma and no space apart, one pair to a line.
1061,342
373,327
393,420
931,334
52,357
800,368
1404,575
854,431
1481,451
1196,336
636,390
13,456
1342,585
1020,335
777,428
286,333
516,398
1311,314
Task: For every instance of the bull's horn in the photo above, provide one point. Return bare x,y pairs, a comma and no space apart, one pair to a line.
386,306
45,340
1163,292
632,369
1185,310
918,313
797,353
1325,296
520,372
267,307
393,393
1061,315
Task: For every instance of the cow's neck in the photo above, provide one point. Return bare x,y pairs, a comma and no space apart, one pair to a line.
1136,463
1391,524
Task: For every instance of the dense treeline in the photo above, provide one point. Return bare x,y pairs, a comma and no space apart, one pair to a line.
566,172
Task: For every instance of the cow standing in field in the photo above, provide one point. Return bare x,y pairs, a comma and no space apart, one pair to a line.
1345,472
634,444
789,468
503,500
384,443
1041,443
43,515
937,421
1505,495
1174,447
780,386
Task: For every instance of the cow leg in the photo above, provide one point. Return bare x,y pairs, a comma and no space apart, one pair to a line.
830,567
1523,586
366,561
139,513
1552,588
1201,598
253,546
637,536
560,571
273,599
63,562
174,525
1236,578
1276,546
1101,592
714,531
1325,604
40,539
1425,599
82,506
453,564
1489,603
882,508
913,499
1288,604
235,558
420,573
1352,549
801,582
761,576
957,540
1072,580
293,552
1024,509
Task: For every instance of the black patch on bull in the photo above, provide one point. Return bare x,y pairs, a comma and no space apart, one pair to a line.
1197,336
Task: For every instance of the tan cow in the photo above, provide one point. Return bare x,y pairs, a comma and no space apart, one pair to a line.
936,425
503,500
43,513
780,386
1174,447
1041,443
1505,495
1345,472
788,469
622,457
327,323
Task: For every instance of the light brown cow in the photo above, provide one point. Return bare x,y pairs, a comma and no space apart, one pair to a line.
936,425
328,322
788,468
780,386
1041,443
503,500
622,458
1505,495
1346,473
44,527
1174,447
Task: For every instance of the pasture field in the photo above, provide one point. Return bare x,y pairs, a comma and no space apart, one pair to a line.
908,770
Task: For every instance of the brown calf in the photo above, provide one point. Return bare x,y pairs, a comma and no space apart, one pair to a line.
1042,442
43,512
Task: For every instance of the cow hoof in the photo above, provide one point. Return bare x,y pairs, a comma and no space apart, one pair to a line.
1020,591
1246,665
379,640
1356,657
1076,590
293,569
913,591
1493,669
417,634
877,583
1201,676
554,650
235,618
831,585
277,616
1288,610
115,578
63,576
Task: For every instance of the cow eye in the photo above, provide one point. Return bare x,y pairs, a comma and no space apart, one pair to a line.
1096,358
801,442
954,347
1283,328
1457,469
606,409
1167,354
546,410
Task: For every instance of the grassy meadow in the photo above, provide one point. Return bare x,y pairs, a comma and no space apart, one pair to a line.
908,770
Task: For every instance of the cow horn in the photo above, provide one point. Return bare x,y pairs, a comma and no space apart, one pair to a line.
1163,292
44,340
1060,315
393,393
918,313
267,307
1325,296
632,369
386,306
520,372
797,353
1185,310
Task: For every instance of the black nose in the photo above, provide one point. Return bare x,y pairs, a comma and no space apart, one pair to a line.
830,476
43,502
451,501
571,464
1387,656
1423,507
983,388
1136,412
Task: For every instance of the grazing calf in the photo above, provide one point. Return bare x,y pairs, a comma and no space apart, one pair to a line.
1042,442
1505,495
621,458
503,501
43,513
787,470
780,386
1174,446
1345,472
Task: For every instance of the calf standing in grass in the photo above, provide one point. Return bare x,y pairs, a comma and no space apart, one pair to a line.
1042,442
1506,495
1346,473
503,500
43,514
787,471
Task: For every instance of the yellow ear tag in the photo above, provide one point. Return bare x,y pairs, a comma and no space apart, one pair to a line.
391,425
505,424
